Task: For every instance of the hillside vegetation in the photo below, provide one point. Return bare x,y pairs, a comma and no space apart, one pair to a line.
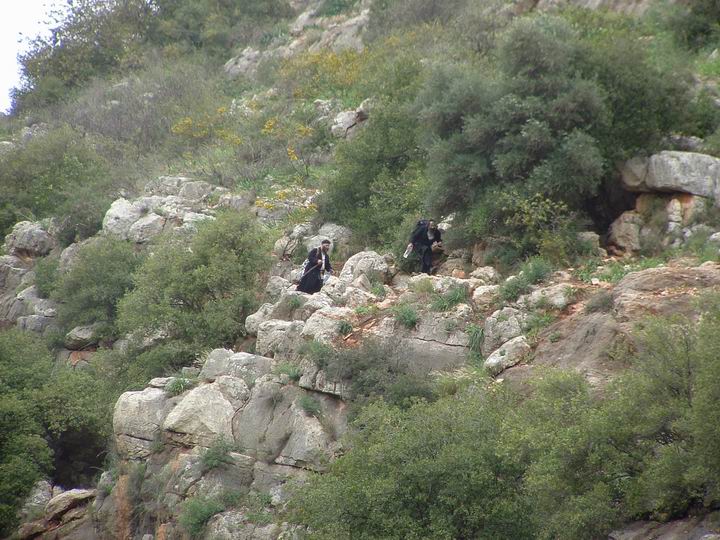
510,122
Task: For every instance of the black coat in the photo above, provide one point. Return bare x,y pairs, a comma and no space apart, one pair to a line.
311,282
420,237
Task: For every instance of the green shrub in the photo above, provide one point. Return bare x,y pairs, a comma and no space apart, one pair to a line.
202,295
25,456
334,7
293,371
46,276
217,454
295,302
178,385
456,295
344,328
310,405
513,288
90,291
406,315
601,302
57,173
196,512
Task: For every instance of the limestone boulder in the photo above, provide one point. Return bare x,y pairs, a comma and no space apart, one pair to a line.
82,336
354,297
487,274
279,338
442,284
146,228
234,525
502,326
238,201
242,365
196,190
272,478
625,231
485,296
29,238
672,171
318,380
137,420
245,64
275,428
509,354
166,185
296,305
344,35
370,263
338,235
38,324
334,288
557,296
201,417
121,215
253,322
65,501
324,325
276,285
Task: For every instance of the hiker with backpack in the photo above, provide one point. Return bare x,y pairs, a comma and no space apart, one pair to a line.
425,240
316,268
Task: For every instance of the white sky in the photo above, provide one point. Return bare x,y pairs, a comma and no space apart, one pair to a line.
20,18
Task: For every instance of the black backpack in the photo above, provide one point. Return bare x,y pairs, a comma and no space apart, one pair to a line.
419,226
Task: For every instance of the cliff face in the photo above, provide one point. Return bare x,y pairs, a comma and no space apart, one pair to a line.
216,450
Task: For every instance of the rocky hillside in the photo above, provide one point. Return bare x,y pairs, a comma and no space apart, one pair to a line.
161,376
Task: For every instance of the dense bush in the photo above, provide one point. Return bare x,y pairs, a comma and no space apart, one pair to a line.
53,423
200,295
55,174
561,463
374,371
90,291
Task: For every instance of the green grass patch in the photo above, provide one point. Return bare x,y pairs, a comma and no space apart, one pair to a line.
406,315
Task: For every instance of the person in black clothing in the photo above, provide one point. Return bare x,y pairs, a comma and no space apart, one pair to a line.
424,241
318,264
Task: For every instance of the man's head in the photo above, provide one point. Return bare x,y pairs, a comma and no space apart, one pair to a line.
325,245
432,225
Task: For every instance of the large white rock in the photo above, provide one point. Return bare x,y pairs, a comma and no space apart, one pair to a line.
275,287
508,355
65,501
120,217
29,238
625,231
253,322
369,263
146,228
82,336
203,415
502,326
137,419
688,172
557,296
243,365
277,338
195,191
323,325
485,296
235,525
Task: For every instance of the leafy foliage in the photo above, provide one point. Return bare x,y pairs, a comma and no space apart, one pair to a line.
201,295
560,463
54,422
55,173
90,291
